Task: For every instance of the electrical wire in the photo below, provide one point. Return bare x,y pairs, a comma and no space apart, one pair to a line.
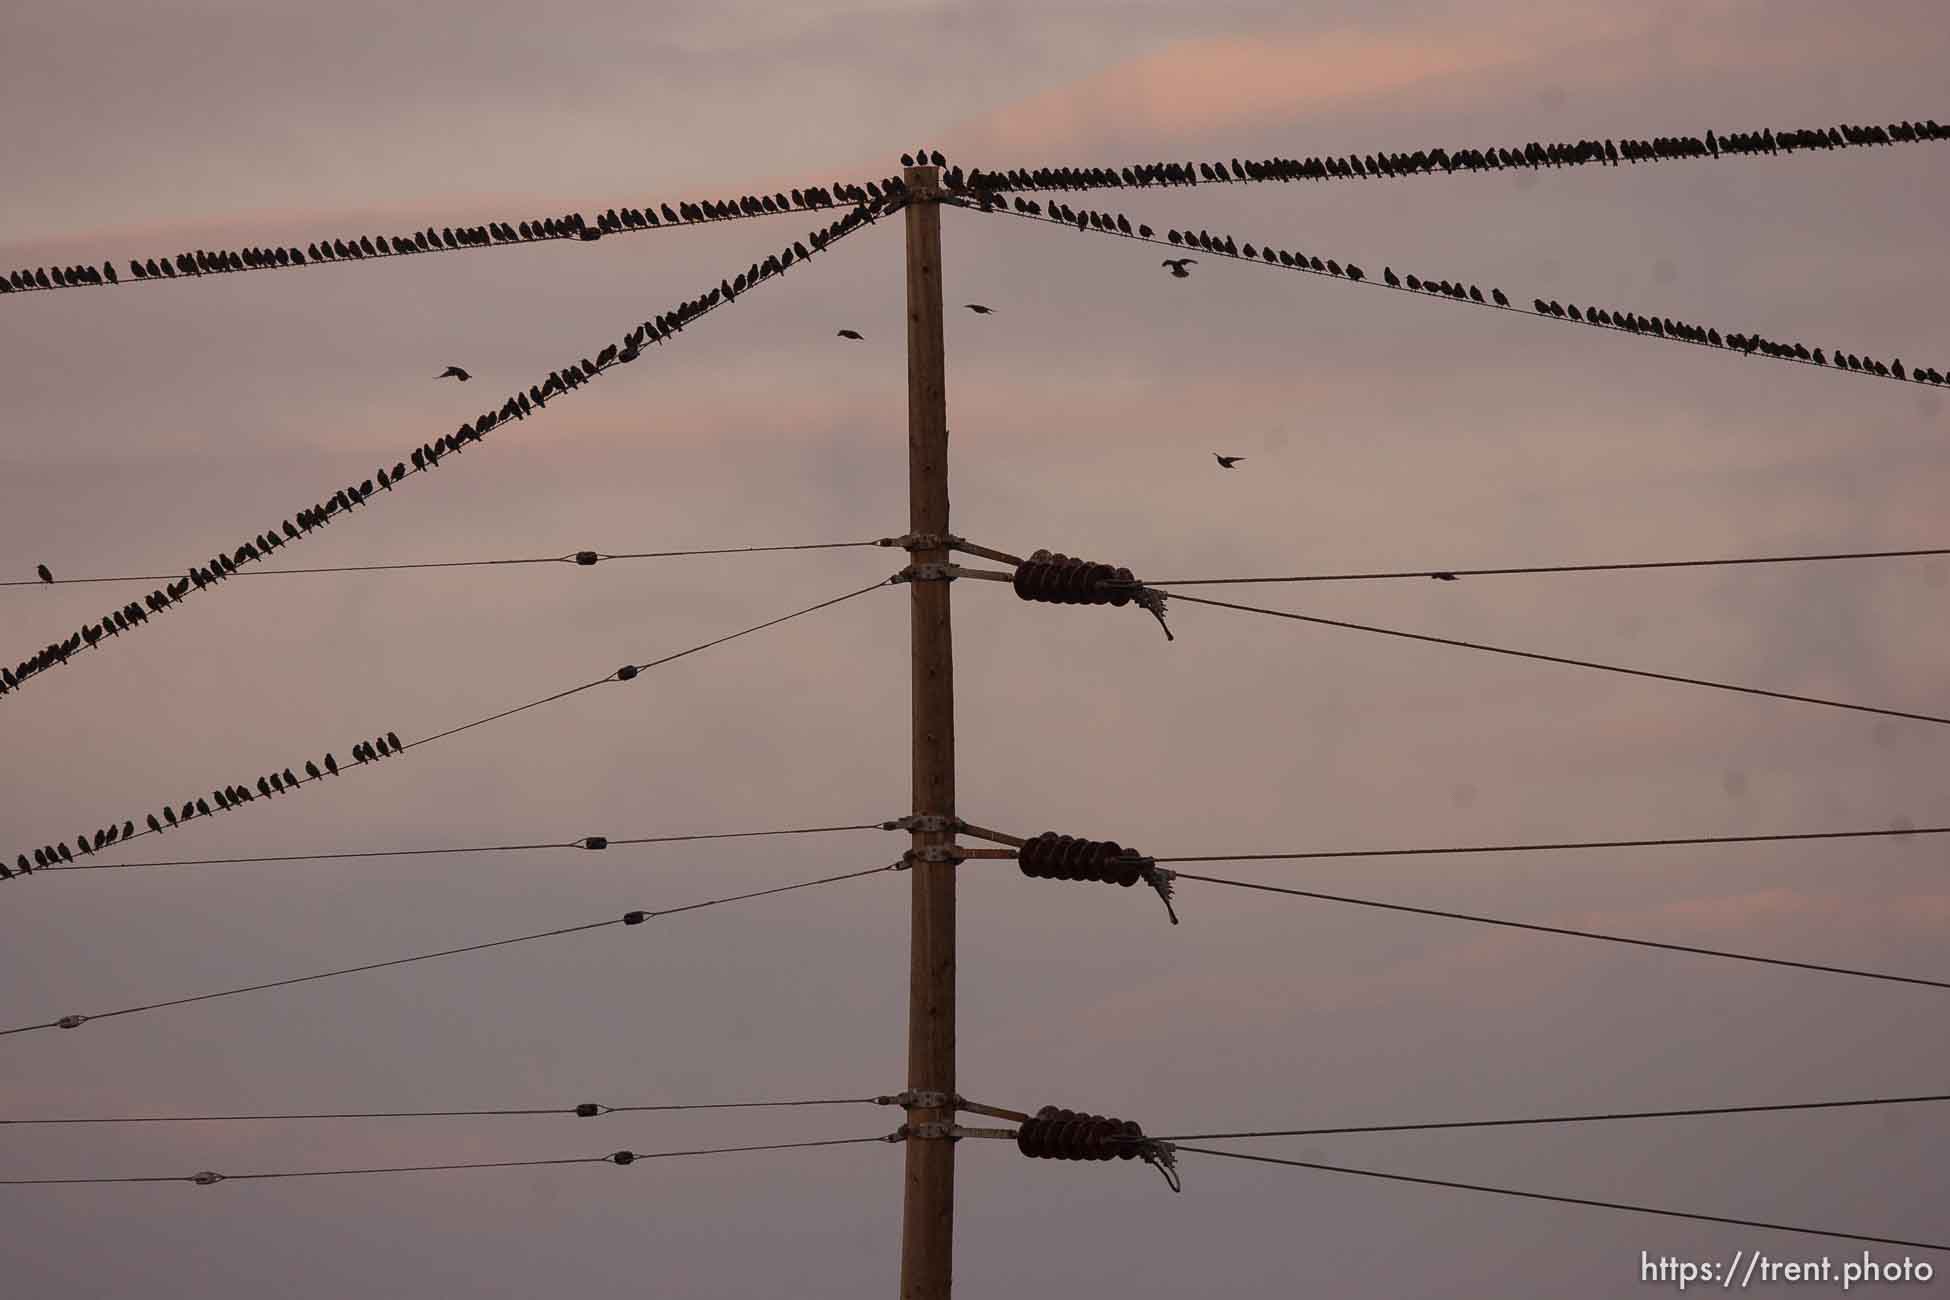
585,1110
1531,156
1311,854
582,843
573,228
628,918
1552,1119
628,672
1560,930
1559,659
1445,574
1109,227
615,1158
428,457
571,558
1565,1200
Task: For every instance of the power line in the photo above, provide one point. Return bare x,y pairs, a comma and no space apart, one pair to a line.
1532,569
1312,854
495,234
583,1110
573,558
428,456
1546,1119
1560,930
210,1177
1661,328
239,795
634,669
1565,1200
628,918
1561,659
1531,156
585,842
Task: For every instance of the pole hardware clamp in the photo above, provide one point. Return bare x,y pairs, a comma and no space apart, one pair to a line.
926,824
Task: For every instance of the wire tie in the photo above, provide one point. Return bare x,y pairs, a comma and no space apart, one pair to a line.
621,1158
71,1022
206,1178
1162,1156
626,672
1159,878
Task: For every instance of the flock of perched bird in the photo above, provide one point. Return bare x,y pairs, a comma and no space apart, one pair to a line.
1663,327
361,247
1423,162
1533,155
429,455
222,799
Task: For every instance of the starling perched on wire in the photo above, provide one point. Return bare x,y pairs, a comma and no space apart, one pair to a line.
45,574
1226,462
1177,266
850,334
454,372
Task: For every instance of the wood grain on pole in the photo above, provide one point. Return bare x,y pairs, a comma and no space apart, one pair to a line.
928,1208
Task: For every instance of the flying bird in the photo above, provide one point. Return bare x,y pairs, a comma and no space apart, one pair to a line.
1226,462
850,334
1177,266
45,574
979,309
454,372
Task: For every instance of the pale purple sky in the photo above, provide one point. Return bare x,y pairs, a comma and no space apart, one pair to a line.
148,427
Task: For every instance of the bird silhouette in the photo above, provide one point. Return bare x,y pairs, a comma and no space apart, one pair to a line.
850,334
1177,266
1226,462
1443,577
45,574
979,309
454,372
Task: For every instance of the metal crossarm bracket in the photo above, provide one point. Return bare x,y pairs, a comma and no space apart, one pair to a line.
928,824
919,542
918,1099
929,573
947,853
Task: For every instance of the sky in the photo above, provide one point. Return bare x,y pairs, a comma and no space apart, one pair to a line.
148,427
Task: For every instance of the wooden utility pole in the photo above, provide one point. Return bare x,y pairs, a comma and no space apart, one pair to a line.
928,1208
